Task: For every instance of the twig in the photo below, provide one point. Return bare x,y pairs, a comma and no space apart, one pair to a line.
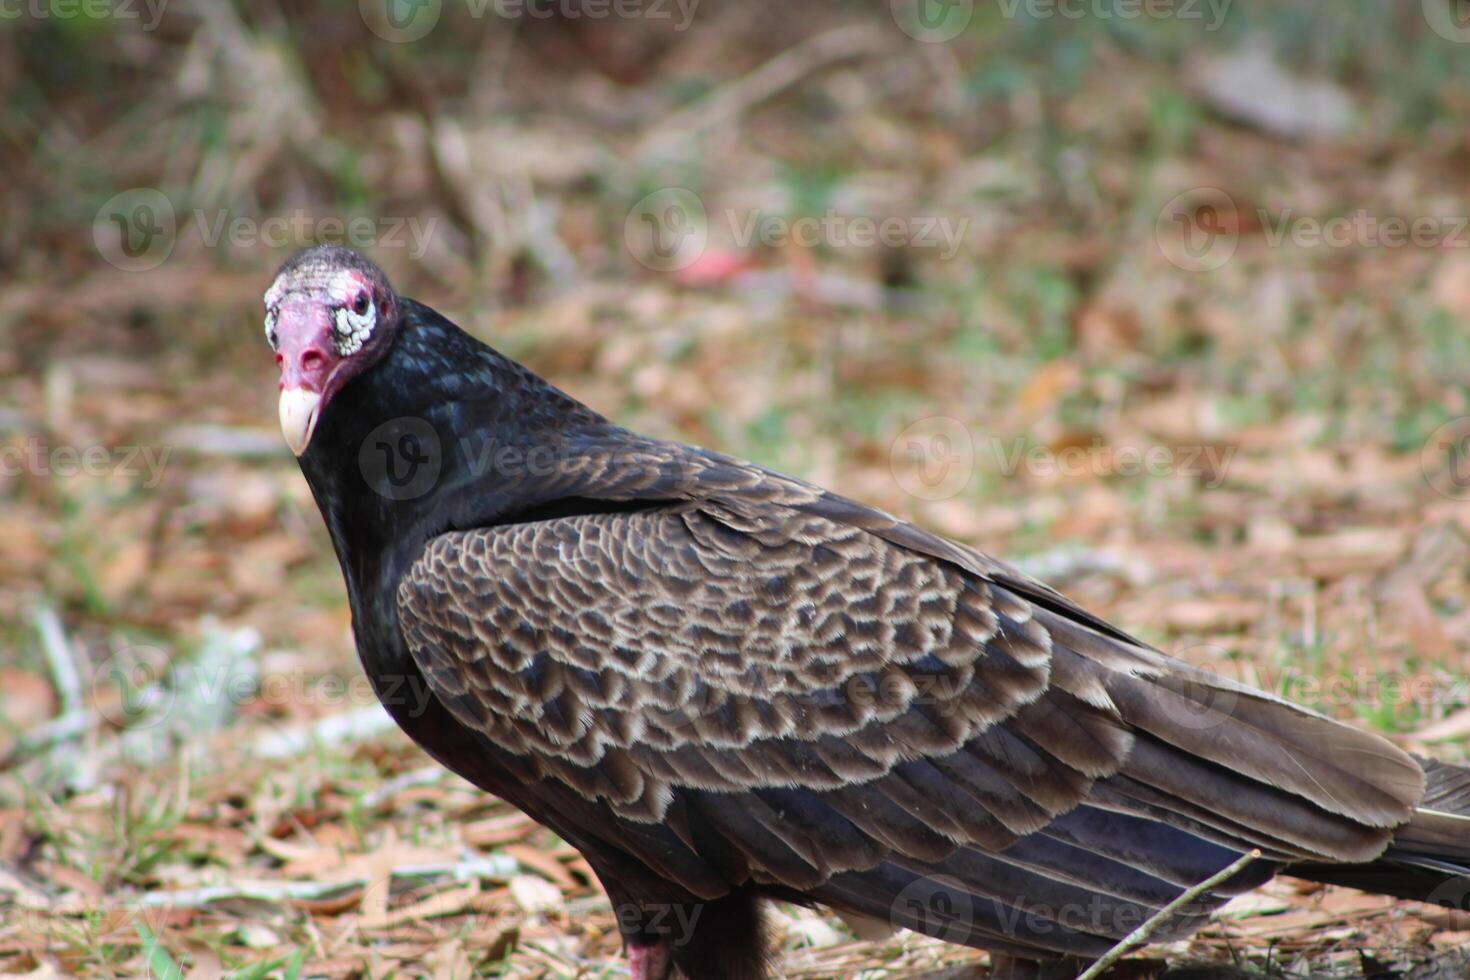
227,440
782,71
426,776
1065,562
349,726
1140,935
73,720
491,866
59,656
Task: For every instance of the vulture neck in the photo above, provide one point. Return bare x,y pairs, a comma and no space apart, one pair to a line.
433,438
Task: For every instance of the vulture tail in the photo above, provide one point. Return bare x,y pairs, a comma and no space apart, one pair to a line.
1428,859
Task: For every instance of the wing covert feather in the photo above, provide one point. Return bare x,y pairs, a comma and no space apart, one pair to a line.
828,689
675,646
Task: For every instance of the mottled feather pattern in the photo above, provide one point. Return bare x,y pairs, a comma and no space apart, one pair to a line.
753,635
720,683
675,637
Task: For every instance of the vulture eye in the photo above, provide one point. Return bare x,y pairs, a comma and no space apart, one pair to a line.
354,324
270,328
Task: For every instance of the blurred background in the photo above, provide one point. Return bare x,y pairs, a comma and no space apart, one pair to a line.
1165,300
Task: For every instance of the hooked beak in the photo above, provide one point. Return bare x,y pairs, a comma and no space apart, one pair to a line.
308,363
299,408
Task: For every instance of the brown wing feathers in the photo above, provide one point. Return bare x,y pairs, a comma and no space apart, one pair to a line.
827,700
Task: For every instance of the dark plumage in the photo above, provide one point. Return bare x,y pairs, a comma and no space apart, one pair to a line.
722,684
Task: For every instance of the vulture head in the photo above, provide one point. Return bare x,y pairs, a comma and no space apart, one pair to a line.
329,315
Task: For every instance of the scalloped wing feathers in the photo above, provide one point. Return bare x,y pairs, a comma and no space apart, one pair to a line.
828,691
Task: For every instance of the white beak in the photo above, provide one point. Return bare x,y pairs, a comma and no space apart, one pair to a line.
298,417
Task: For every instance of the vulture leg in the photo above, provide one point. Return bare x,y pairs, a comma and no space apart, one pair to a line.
716,940
649,962
723,939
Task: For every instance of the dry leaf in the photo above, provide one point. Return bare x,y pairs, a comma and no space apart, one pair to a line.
535,894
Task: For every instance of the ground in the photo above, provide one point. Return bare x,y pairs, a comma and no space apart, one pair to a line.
1172,314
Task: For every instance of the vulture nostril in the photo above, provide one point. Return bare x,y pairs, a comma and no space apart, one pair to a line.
280,358
312,359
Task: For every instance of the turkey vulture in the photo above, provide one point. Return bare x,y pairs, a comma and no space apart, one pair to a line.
724,685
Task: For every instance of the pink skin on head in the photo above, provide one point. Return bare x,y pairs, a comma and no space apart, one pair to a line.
306,352
306,345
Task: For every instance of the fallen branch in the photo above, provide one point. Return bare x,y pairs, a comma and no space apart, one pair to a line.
784,70
61,660
74,719
1140,935
473,869
427,776
349,726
